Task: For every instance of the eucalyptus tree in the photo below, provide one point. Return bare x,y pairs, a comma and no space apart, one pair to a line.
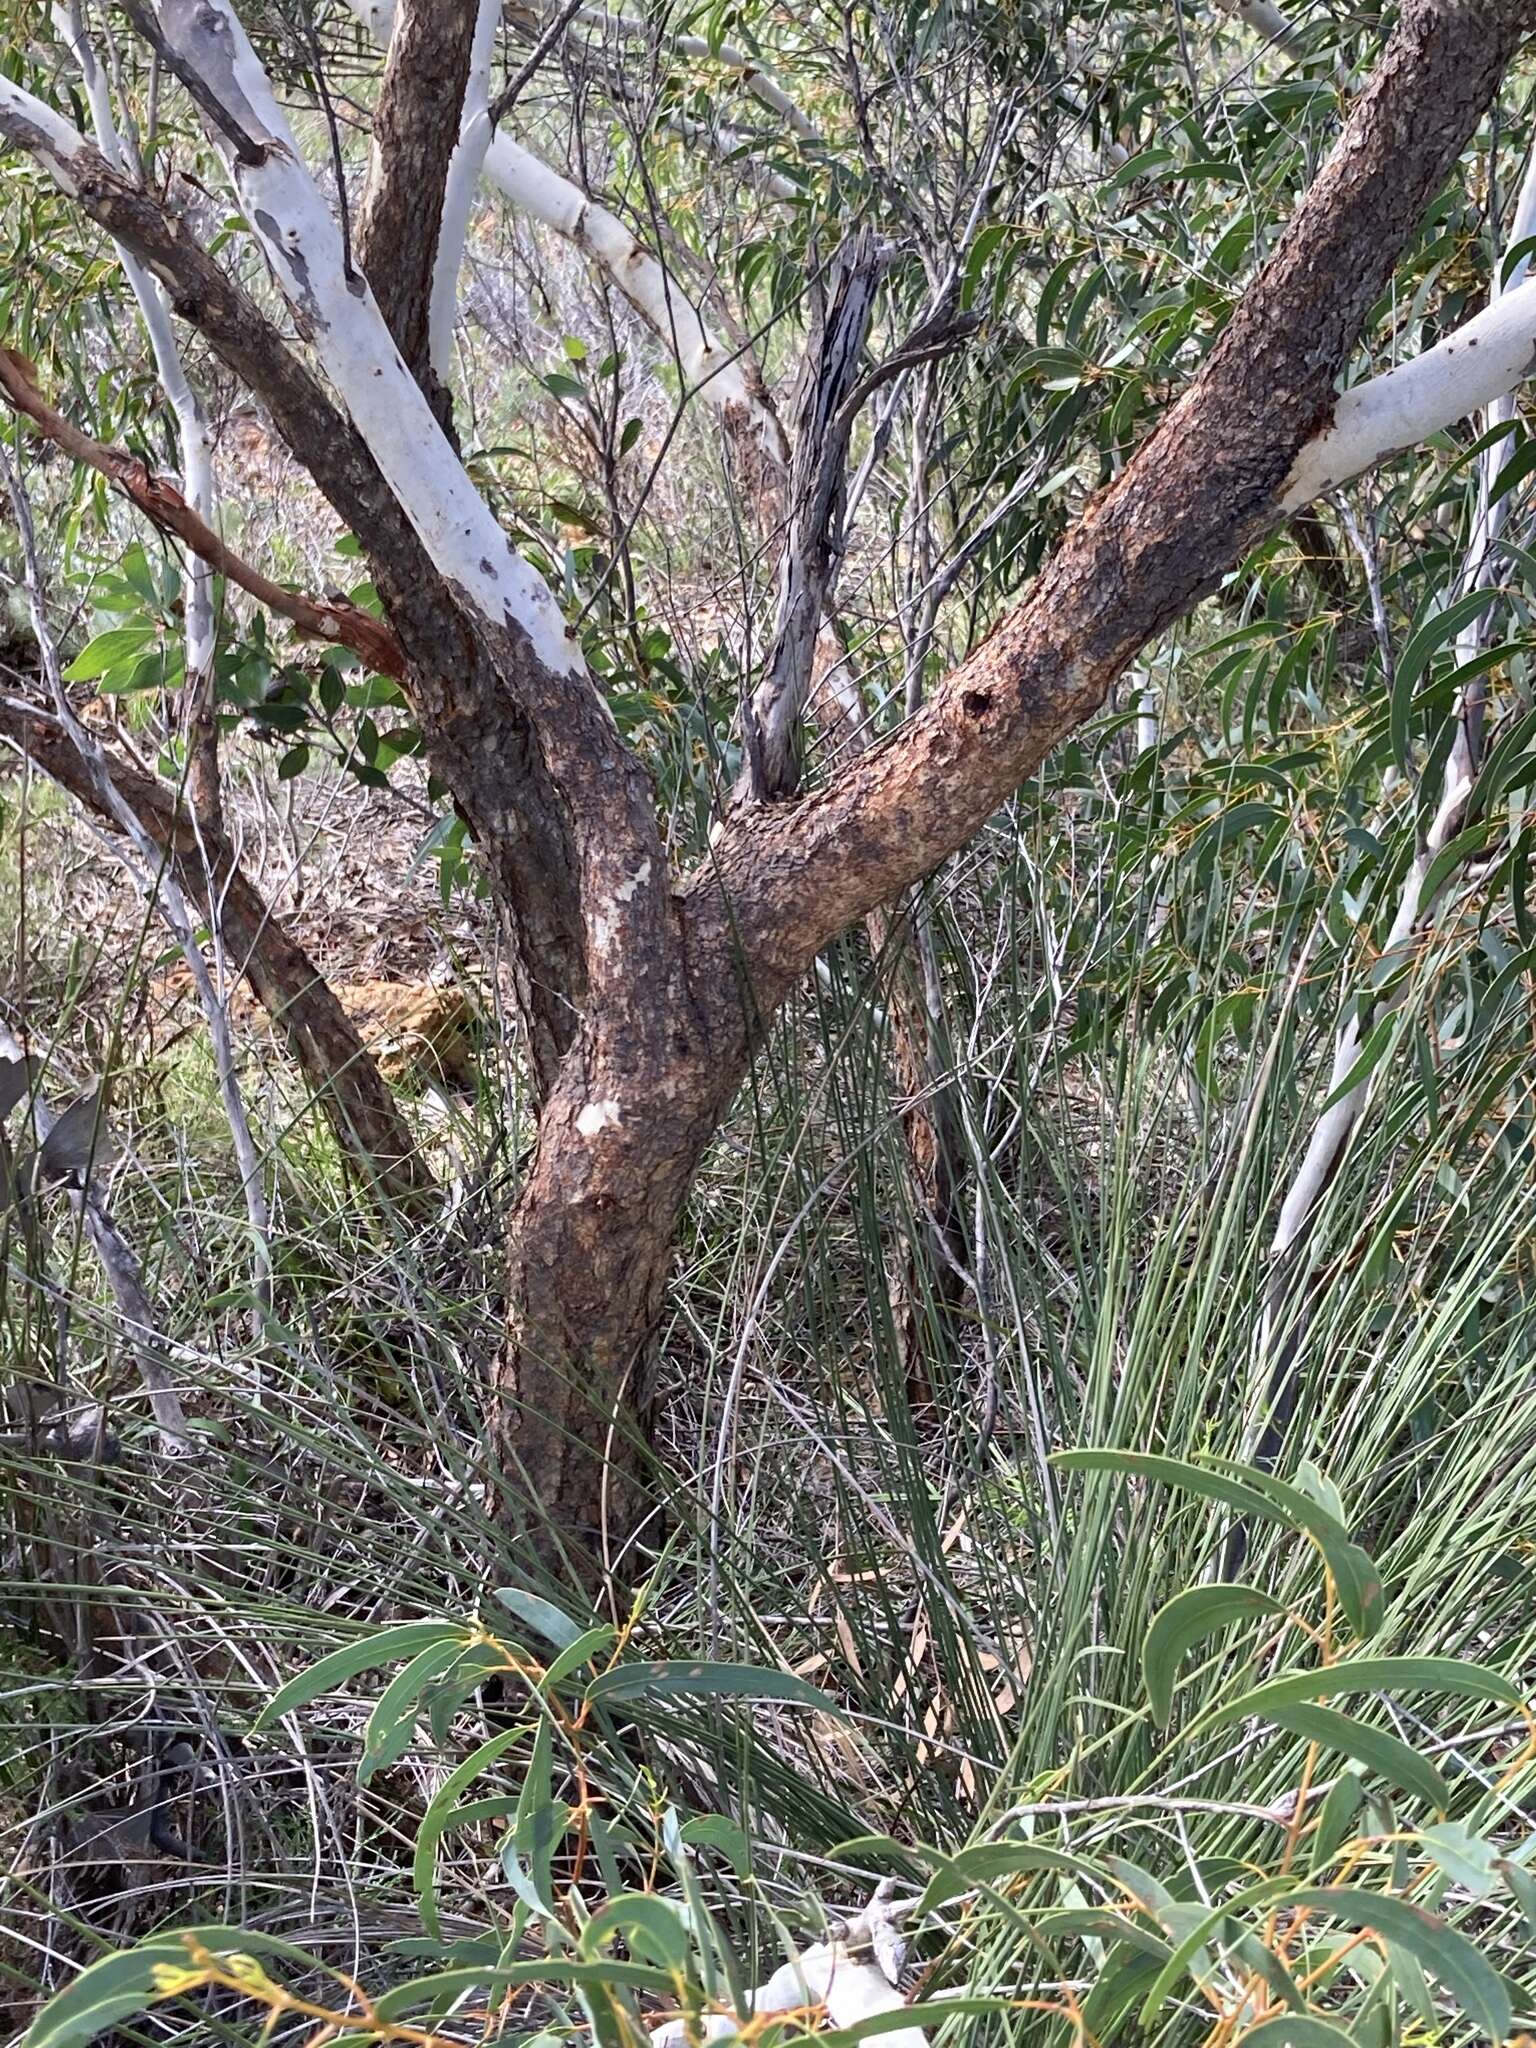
1217,401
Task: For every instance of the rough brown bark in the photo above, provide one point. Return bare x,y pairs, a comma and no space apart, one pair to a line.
415,130
340,1071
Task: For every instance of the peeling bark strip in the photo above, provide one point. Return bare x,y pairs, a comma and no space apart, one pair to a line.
338,1067
818,501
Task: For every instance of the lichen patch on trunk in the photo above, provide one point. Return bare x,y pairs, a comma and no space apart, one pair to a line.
597,1116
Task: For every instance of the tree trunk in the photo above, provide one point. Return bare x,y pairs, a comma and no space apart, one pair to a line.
589,1251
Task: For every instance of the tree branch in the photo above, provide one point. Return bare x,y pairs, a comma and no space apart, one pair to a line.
335,621
339,1069
153,874
224,114
761,84
1291,1248
1482,361
723,378
196,442
1265,17
476,127
479,740
1209,482
415,136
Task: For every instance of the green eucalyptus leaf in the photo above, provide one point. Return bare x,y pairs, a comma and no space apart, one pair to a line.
383,1646
1335,1823
392,1724
1397,1762
1188,1618
1298,2030
1361,1674
122,1986
654,1930
542,1616
669,1677
448,1984
109,650
1466,1858
440,1815
1455,1963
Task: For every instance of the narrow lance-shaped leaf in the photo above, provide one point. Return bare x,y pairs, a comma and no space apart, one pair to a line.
1204,1928
1352,1568
1172,1472
108,650
1187,1619
542,1616
1341,1803
670,1676
984,1862
1468,1859
394,2004
1450,1958
119,1987
1297,2030
1396,1760
1255,1494
1422,646
1360,1674
439,1817
392,1723
366,1654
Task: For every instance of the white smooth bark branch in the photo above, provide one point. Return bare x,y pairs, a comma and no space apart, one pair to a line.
1488,346
764,88
464,170
532,187
1482,361
195,440
193,434
1262,15
302,243
1335,1125
708,364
